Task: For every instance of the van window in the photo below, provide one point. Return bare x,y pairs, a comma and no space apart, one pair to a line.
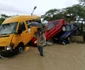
50,26
22,26
28,23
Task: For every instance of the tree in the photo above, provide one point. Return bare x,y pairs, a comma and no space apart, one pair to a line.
1,20
49,15
3,17
82,2
75,12
70,14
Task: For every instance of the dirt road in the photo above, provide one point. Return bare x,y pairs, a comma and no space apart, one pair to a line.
56,57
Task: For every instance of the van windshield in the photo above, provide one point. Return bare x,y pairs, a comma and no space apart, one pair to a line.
8,28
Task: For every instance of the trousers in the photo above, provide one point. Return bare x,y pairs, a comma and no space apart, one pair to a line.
40,49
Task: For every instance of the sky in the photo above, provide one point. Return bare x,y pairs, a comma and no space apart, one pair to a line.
24,7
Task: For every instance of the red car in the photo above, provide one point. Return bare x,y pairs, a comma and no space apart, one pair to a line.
54,28
34,42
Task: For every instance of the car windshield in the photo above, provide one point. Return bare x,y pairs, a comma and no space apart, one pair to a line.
68,28
56,22
8,28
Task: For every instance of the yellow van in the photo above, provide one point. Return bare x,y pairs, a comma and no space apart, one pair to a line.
14,33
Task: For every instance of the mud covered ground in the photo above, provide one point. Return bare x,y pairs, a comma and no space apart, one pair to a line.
56,57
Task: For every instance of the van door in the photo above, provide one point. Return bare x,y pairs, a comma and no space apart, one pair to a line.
31,30
24,32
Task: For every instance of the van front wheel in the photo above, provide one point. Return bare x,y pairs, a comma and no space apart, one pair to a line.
20,48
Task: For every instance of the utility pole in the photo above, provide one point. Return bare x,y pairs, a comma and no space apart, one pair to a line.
33,10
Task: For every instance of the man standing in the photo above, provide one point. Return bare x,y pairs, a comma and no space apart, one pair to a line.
41,41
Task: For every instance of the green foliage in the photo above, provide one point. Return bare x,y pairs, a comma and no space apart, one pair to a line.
76,12
1,20
81,0
3,17
70,14
50,15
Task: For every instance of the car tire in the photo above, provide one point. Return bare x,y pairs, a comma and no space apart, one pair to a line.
66,41
20,48
63,43
63,28
69,39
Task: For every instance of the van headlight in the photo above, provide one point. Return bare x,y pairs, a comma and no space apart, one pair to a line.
8,48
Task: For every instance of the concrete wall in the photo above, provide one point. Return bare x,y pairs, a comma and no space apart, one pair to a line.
77,39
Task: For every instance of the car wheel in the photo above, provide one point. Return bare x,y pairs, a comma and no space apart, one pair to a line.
68,39
63,28
63,43
20,48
